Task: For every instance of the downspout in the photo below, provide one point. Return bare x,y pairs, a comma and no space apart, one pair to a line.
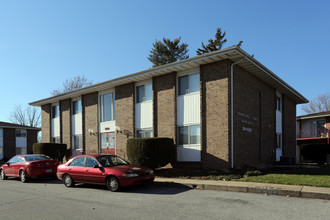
232,108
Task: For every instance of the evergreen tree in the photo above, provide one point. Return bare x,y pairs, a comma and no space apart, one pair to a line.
168,51
213,45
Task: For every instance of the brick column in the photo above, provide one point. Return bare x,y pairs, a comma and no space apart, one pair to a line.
46,123
90,121
66,122
125,116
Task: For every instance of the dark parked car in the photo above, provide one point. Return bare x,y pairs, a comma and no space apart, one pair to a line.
29,166
109,170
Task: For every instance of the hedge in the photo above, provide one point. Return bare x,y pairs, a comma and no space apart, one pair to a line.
53,150
316,152
150,152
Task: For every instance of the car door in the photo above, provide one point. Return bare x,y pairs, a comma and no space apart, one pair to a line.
9,167
16,166
93,175
76,169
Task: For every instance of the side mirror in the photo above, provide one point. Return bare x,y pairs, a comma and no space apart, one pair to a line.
8,163
96,166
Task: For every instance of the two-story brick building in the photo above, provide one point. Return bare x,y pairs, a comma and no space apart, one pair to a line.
16,139
222,109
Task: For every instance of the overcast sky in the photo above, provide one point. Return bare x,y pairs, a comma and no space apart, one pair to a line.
43,43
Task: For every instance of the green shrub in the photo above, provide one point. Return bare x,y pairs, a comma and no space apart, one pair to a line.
150,152
53,150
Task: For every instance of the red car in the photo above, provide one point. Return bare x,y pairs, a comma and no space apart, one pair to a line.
109,170
29,166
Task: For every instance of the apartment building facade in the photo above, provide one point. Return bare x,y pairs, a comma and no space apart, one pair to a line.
16,139
222,109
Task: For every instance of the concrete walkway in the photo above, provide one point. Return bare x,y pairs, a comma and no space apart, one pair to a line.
249,187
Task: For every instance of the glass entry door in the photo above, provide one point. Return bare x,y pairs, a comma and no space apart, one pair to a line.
108,143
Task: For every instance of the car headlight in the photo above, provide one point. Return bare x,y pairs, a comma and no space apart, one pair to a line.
130,175
151,172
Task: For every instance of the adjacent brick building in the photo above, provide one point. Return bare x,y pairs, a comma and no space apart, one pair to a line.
16,139
222,109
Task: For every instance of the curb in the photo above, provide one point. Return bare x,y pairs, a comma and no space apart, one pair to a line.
257,188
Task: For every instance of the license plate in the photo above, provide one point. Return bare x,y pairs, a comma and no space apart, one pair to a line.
49,170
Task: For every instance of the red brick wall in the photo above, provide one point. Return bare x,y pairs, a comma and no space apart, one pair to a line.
32,137
90,121
46,123
9,142
254,120
125,108
66,122
164,94
215,117
289,127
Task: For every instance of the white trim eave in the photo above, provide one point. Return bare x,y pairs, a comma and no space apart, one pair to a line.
233,53
22,128
310,117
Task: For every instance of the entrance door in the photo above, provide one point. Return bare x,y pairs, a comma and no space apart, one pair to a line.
108,143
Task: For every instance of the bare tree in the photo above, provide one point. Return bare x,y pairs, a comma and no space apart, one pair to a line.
28,116
71,84
319,104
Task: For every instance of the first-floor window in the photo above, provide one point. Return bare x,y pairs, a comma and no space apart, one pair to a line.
278,140
20,150
189,135
189,143
144,133
77,142
56,140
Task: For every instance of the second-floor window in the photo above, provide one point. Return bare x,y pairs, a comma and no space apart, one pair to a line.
189,84
278,103
76,105
55,111
107,102
144,93
20,133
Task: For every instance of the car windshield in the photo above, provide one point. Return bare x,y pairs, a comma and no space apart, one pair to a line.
36,157
111,160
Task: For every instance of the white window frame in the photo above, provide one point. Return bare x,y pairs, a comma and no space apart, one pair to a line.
72,104
187,73
113,105
143,83
144,129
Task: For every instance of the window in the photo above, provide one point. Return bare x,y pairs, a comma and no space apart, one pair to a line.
20,133
279,141
56,140
189,135
76,105
107,107
78,162
20,160
189,84
144,133
1,143
144,93
1,132
278,103
77,142
13,160
20,150
91,162
55,111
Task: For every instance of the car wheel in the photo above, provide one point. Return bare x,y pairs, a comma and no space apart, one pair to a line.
3,175
22,176
68,181
113,184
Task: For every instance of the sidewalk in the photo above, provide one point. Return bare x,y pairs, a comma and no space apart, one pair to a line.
249,187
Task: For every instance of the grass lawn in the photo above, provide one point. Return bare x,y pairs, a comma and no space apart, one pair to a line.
299,176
